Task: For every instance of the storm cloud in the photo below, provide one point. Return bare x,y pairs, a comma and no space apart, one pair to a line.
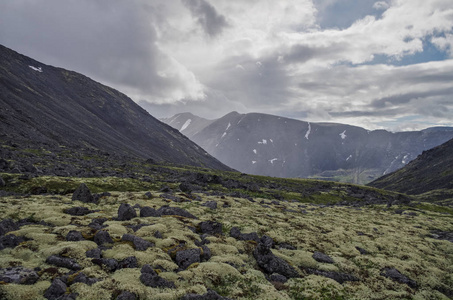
376,64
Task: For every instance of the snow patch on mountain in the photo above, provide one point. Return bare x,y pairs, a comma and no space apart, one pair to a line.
308,131
186,124
38,69
272,160
253,162
343,135
254,151
404,161
223,135
263,142
349,157
229,125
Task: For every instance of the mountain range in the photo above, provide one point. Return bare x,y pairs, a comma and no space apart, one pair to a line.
47,107
270,145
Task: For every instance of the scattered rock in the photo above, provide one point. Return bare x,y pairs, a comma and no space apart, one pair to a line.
175,211
77,211
96,224
442,235
63,262
337,276
128,262
271,263
83,193
149,212
18,275
7,225
361,250
109,264
158,235
74,236
165,189
10,241
395,275
211,227
185,258
2,182
150,278
321,257
126,212
278,278
139,243
81,277
125,295
56,289
94,253
102,237
236,233
148,195
210,295
210,204
286,246
206,253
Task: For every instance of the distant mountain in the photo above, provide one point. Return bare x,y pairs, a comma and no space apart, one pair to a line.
275,146
432,170
51,107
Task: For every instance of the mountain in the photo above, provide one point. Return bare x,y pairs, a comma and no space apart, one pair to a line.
275,146
431,172
44,106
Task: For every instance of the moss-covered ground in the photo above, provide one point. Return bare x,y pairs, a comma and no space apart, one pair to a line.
402,241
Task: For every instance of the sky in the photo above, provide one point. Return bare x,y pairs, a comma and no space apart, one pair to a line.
375,64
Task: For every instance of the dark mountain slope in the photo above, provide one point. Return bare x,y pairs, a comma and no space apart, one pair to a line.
275,146
51,106
432,170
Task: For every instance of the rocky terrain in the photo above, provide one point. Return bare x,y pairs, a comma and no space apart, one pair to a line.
48,108
430,176
276,146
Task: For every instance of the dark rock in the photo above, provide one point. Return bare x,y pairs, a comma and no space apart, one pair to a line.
128,262
206,253
7,225
186,187
18,275
81,277
395,275
149,212
30,168
126,212
148,195
102,237
286,246
148,269
175,211
278,278
74,236
63,262
185,258
211,227
150,278
2,182
399,211
109,264
337,276
210,295
271,263
165,189
158,235
236,233
56,289
97,197
321,257
94,253
446,291
361,250
96,224
10,241
210,204
83,193
442,235
78,211
139,243
125,295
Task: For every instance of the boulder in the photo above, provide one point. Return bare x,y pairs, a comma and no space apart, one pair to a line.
81,277
63,262
102,237
148,212
236,233
185,258
77,211
210,204
10,241
211,227
175,211
2,182
128,262
83,193
18,275
56,289
139,243
321,257
337,276
395,275
278,278
150,278
206,253
109,264
126,212
125,295
7,225
74,236
94,253
210,295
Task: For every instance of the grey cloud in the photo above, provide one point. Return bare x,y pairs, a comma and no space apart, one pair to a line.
406,98
207,16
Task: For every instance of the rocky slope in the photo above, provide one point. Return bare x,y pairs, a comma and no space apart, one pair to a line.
276,146
43,107
430,173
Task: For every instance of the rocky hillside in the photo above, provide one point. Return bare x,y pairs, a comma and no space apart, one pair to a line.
276,146
190,233
430,174
43,107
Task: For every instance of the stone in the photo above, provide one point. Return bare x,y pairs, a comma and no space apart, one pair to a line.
74,236
206,253
210,295
148,195
156,281
337,276
63,262
83,193
7,225
2,182
211,204
148,269
126,212
211,227
149,212
395,275
175,211
109,264
77,211
271,263
56,289
102,237
323,258
278,278
10,241
81,277
18,275
125,295
94,253
361,250
185,258
128,262
236,233
139,243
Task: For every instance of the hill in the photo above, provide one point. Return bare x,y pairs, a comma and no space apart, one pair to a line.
430,175
275,146
43,107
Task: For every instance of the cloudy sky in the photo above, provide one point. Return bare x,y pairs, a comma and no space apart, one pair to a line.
376,64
